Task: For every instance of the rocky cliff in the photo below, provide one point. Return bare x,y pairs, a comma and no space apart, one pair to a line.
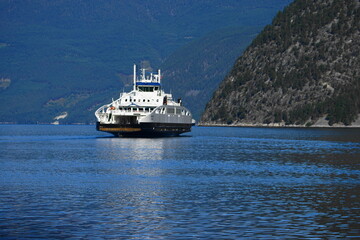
302,68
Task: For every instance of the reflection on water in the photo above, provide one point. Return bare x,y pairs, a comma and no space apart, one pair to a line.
131,148
220,183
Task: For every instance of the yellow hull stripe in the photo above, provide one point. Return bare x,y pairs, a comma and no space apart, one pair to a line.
120,129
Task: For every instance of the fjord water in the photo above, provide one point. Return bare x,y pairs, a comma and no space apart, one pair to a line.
212,183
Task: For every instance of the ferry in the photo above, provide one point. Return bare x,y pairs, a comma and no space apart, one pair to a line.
145,111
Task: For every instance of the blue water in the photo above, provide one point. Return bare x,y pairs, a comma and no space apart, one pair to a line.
212,183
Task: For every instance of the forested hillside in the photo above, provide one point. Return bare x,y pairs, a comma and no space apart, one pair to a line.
73,56
302,67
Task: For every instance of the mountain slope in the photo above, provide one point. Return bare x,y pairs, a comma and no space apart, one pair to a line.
194,72
73,56
302,67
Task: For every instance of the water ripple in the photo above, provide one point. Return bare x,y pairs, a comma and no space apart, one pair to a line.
219,183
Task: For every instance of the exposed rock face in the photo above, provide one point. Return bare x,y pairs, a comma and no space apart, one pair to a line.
304,66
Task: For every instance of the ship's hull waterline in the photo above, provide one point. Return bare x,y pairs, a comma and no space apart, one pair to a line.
144,129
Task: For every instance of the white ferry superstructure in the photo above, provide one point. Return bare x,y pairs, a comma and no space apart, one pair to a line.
145,111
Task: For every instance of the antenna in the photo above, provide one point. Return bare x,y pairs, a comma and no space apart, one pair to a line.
134,77
143,74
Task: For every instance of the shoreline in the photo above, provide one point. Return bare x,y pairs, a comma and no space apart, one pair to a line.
279,126
335,126
57,124
319,123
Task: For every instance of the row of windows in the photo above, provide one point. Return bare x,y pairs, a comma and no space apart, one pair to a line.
171,110
168,110
129,109
148,89
139,100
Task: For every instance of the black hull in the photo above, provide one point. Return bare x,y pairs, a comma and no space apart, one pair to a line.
144,129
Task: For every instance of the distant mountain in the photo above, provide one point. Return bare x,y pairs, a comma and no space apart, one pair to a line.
302,68
70,57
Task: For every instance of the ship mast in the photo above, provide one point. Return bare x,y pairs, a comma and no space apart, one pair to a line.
159,75
134,77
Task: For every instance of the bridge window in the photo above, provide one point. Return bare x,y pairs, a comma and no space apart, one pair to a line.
170,110
146,89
